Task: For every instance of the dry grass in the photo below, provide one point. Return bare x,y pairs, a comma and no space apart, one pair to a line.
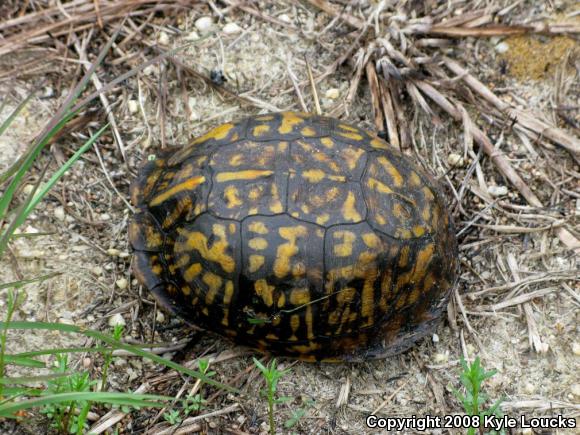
427,75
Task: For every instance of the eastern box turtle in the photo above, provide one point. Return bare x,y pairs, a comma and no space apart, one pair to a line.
298,235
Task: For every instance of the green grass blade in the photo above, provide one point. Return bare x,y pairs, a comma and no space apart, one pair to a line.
58,174
23,282
130,399
23,380
22,325
23,361
4,126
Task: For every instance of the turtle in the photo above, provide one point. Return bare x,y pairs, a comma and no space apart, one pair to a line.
296,235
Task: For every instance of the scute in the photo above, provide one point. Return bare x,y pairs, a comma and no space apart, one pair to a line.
295,234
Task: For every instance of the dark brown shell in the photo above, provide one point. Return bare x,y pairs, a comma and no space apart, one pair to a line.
298,235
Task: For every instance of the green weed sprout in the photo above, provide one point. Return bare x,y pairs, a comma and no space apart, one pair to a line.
272,375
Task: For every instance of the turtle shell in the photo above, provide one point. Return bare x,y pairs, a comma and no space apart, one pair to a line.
295,234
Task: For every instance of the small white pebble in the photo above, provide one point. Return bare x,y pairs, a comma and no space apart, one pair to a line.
529,388
435,338
122,283
527,431
105,217
192,36
113,252
576,348
124,254
87,362
332,94
59,213
575,389
163,38
497,190
116,319
231,29
149,70
543,348
455,160
441,358
285,18
160,317
133,106
502,47
28,189
204,25
97,270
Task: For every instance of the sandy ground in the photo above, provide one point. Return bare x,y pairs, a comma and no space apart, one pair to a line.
86,221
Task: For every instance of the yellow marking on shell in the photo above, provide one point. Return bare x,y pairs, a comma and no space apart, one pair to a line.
231,194
353,136
428,194
299,269
228,294
214,283
305,349
352,156
250,174
185,173
260,130
400,212
380,219
300,296
289,120
183,206
205,311
199,242
368,299
157,269
182,261
192,271
264,118
256,261
258,227
349,211
237,160
253,210
308,131
332,194
258,243
313,175
232,228
265,291
272,337
376,185
255,193
423,258
322,219
348,127
287,250
426,213
309,323
404,256
281,300
189,184
415,180
380,144
217,133
344,249
305,208
186,290
276,206
391,170
327,142
320,232
418,230
294,325
371,240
